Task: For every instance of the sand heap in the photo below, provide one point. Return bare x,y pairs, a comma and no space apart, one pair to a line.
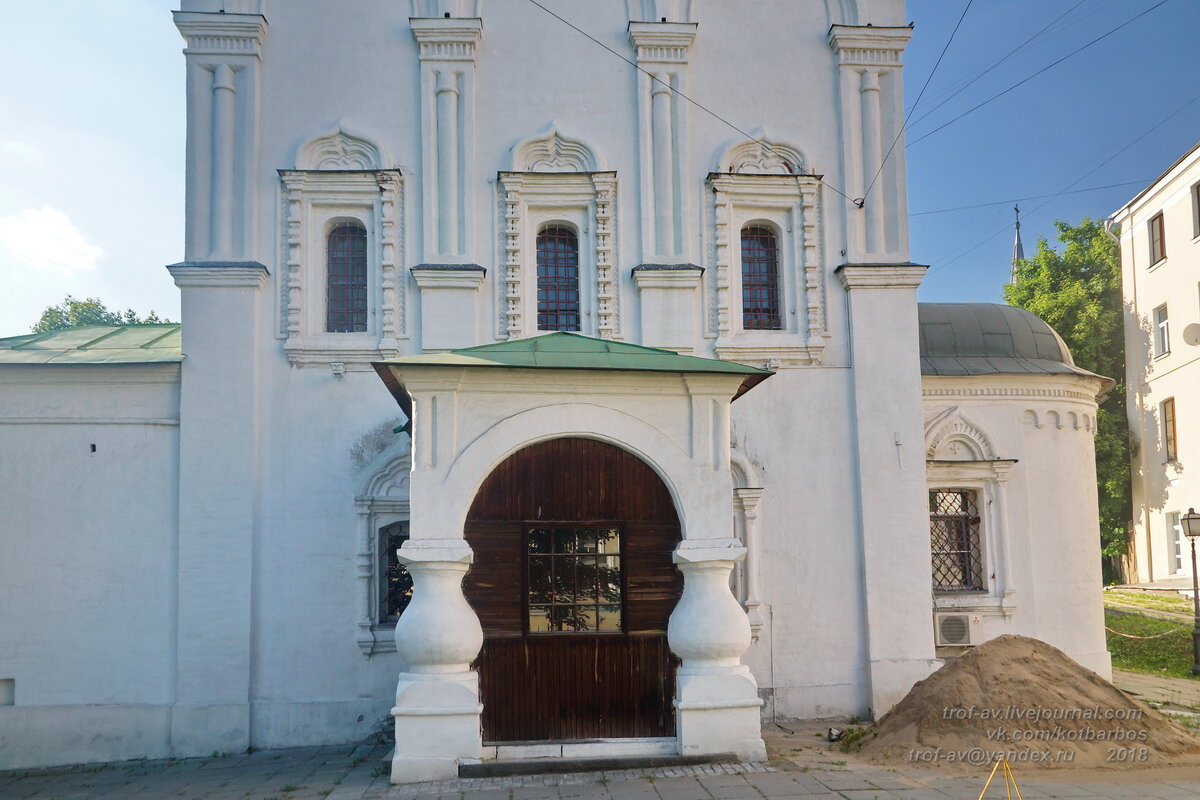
1031,702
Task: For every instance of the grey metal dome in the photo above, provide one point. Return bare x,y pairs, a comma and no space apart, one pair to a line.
989,339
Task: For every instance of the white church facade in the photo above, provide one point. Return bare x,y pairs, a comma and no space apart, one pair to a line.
522,399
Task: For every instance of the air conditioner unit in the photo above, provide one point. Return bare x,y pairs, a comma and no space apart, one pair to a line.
956,630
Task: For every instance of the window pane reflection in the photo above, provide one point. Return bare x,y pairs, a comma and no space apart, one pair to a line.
574,579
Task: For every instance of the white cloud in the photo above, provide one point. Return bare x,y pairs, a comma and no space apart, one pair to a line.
46,239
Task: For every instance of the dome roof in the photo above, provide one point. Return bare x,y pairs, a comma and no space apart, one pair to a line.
989,339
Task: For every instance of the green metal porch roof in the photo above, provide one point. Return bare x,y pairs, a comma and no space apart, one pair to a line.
565,350
96,344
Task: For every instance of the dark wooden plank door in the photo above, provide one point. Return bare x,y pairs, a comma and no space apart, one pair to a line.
568,684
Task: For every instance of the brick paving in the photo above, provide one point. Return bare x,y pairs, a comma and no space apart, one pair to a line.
802,767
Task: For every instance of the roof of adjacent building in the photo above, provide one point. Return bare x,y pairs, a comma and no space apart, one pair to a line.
565,350
96,344
990,339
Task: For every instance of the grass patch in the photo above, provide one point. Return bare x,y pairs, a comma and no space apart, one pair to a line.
1157,601
1165,655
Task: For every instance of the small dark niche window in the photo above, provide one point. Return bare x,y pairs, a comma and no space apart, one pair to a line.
574,579
557,279
395,584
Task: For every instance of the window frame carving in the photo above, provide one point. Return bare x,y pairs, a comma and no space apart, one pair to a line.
382,500
339,177
555,179
761,182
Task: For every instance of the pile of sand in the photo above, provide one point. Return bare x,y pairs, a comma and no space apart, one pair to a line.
1031,702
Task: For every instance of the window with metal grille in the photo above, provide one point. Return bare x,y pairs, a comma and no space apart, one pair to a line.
760,280
395,584
1168,425
954,539
574,579
346,279
557,279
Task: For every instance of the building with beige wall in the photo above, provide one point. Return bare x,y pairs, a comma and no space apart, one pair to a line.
1159,236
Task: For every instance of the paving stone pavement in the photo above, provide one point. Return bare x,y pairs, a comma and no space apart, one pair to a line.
797,772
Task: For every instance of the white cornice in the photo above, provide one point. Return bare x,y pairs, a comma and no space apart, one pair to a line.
665,42
221,34
867,45
209,274
881,276
443,39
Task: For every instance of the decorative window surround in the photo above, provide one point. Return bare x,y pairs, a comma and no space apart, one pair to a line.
668,295
790,204
959,455
557,179
382,499
340,177
449,304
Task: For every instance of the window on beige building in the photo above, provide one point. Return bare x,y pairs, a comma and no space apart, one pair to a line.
1168,429
1158,245
1162,331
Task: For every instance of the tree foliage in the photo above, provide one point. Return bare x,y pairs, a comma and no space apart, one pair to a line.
72,313
1078,292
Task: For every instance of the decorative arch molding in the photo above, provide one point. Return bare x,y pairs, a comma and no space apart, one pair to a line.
381,499
746,475
340,150
747,494
668,460
842,12
760,155
550,151
950,428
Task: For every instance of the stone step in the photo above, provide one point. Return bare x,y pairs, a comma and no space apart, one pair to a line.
548,766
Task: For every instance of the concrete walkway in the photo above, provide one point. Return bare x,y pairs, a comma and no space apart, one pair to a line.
802,766
1181,692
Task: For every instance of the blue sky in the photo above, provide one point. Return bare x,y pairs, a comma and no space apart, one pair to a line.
92,126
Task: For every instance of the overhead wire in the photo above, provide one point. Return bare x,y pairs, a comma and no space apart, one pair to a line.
1031,197
860,202
946,98
1025,80
696,103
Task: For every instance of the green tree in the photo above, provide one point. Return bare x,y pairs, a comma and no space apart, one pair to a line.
72,313
1078,292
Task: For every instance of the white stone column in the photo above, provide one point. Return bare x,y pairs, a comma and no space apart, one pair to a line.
872,158
663,164
224,143
716,702
447,162
437,711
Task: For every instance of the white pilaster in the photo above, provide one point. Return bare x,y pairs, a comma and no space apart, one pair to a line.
747,501
447,53
872,106
223,53
889,440
662,52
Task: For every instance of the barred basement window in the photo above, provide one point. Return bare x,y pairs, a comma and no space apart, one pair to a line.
955,541
574,579
557,279
760,280
346,279
395,584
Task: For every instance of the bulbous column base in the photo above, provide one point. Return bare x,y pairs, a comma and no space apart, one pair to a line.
437,709
716,702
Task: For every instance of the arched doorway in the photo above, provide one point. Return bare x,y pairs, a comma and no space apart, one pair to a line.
573,584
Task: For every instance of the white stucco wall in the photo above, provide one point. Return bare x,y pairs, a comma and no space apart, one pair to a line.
87,572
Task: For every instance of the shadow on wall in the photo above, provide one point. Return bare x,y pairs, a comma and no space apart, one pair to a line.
1154,486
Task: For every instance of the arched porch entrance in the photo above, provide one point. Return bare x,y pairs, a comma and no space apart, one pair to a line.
574,585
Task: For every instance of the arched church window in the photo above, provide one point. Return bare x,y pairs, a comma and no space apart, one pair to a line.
557,279
346,278
760,279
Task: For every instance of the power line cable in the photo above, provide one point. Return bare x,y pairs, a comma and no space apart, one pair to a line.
1031,197
860,202
1022,82
954,93
697,104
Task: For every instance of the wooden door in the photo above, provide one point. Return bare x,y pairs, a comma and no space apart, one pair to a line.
573,583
